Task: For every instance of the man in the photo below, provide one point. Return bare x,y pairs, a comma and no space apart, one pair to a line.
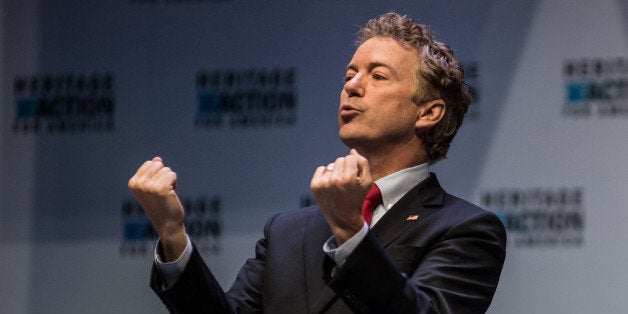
421,249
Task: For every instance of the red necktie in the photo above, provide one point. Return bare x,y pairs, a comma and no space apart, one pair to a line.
373,199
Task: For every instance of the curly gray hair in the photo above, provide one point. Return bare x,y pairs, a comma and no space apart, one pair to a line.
439,76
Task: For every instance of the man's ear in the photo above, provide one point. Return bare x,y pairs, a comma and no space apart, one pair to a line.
429,114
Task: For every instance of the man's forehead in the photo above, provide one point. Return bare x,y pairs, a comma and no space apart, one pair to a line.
384,52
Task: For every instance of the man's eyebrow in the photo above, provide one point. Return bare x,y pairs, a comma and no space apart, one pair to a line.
372,66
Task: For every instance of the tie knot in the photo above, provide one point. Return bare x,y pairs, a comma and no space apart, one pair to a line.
374,195
373,199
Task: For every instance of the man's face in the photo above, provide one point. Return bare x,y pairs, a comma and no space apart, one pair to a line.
376,108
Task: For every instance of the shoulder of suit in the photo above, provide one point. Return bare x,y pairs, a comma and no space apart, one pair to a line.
298,215
455,206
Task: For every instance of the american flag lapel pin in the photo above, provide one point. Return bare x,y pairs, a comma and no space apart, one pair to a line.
412,217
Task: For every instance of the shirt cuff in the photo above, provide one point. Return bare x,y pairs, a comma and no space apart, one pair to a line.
339,254
171,271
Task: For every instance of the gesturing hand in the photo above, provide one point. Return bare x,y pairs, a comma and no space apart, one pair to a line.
154,187
339,190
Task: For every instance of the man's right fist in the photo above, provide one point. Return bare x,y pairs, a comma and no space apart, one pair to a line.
154,187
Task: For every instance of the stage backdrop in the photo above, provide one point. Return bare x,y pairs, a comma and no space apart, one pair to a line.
240,97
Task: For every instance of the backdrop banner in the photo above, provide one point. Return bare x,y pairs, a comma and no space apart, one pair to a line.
240,98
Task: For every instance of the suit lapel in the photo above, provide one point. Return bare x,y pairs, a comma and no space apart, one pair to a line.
422,200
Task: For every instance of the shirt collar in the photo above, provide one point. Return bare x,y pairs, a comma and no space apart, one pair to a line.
394,186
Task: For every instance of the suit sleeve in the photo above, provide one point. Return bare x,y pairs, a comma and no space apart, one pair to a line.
457,273
197,291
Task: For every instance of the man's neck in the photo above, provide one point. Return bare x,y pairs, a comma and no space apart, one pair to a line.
385,162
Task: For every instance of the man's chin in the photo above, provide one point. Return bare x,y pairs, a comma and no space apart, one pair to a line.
351,140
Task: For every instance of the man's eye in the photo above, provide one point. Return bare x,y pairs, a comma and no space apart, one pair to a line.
348,78
378,77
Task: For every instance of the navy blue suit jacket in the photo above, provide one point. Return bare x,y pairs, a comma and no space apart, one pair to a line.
448,260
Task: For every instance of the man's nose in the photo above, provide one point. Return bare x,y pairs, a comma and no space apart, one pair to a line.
355,86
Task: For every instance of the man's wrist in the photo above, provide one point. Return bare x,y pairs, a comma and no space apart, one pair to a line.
339,253
342,234
173,245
